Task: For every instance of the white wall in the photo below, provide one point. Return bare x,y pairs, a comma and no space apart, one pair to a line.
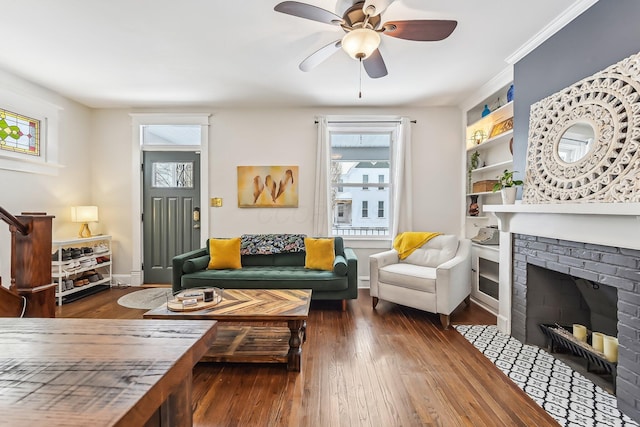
276,137
23,192
95,149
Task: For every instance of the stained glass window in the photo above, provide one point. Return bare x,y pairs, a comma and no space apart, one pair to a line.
19,133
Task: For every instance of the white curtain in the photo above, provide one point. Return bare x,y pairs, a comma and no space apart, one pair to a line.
402,194
322,206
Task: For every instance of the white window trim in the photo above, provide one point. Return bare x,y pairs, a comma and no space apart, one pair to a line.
141,119
375,124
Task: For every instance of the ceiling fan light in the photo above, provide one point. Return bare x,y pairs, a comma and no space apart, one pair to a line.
360,43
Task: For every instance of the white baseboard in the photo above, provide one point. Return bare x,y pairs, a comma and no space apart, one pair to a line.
363,282
504,325
122,280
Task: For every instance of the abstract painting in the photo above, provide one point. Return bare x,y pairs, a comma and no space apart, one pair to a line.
268,186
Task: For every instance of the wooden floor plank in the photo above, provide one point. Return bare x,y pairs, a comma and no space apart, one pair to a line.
392,366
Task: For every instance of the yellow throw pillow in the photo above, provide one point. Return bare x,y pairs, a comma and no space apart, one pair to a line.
320,254
224,253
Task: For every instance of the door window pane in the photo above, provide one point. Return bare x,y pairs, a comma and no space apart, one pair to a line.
172,175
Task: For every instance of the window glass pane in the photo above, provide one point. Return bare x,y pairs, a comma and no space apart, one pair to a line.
172,175
356,159
380,209
18,133
171,135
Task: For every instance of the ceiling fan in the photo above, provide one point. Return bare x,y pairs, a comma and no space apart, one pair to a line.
362,25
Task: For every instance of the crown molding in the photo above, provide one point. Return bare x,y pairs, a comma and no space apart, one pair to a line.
498,81
550,29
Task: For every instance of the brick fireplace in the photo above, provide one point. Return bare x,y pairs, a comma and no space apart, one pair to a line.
595,245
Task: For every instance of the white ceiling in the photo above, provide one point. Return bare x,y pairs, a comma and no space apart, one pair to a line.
164,53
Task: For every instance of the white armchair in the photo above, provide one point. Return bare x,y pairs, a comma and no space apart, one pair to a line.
435,278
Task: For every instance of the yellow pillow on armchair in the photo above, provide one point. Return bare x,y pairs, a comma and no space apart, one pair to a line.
224,253
320,254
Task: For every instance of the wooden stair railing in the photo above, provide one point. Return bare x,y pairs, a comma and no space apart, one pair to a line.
31,263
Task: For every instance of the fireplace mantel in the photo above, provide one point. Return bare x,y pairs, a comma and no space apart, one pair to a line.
608,224
611,224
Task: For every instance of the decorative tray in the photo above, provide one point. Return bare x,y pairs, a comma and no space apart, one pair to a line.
194,299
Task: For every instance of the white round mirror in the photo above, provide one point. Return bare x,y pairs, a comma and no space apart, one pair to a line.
576,142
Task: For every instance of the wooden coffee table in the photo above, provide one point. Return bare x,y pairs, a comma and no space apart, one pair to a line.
250,325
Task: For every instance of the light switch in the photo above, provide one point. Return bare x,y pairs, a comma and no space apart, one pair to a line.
216,202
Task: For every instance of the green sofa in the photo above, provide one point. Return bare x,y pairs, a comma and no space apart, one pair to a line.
272,271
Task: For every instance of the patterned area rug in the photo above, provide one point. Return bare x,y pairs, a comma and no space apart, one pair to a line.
566,395
146,298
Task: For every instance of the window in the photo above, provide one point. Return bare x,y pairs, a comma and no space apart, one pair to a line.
20,134
172,175
360,151
28,134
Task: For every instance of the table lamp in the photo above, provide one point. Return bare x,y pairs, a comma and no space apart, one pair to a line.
84,215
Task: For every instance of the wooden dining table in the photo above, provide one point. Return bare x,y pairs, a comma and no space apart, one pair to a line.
99,372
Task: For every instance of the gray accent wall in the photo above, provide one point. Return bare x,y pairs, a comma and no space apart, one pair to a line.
606,33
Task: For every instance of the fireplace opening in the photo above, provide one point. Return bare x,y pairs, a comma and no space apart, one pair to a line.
555,298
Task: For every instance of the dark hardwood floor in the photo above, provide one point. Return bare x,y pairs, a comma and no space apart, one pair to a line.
392,366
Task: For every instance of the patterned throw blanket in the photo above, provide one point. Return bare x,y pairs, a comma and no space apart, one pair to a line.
268,244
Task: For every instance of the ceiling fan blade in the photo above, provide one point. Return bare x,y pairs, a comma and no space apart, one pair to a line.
308,11
425,30
320,55
374,65
375,7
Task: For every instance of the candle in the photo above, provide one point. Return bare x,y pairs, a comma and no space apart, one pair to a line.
580,332
597,341
611,348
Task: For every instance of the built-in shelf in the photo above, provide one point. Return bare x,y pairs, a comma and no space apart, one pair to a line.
496,166
492,141
482,193
489,276
495,248
495,116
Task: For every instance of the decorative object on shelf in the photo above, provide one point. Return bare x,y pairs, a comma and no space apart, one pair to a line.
507,186
510,94
475,160
501,127
474,209
486,110
84,215
511,146
483,186
608,101
478,136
